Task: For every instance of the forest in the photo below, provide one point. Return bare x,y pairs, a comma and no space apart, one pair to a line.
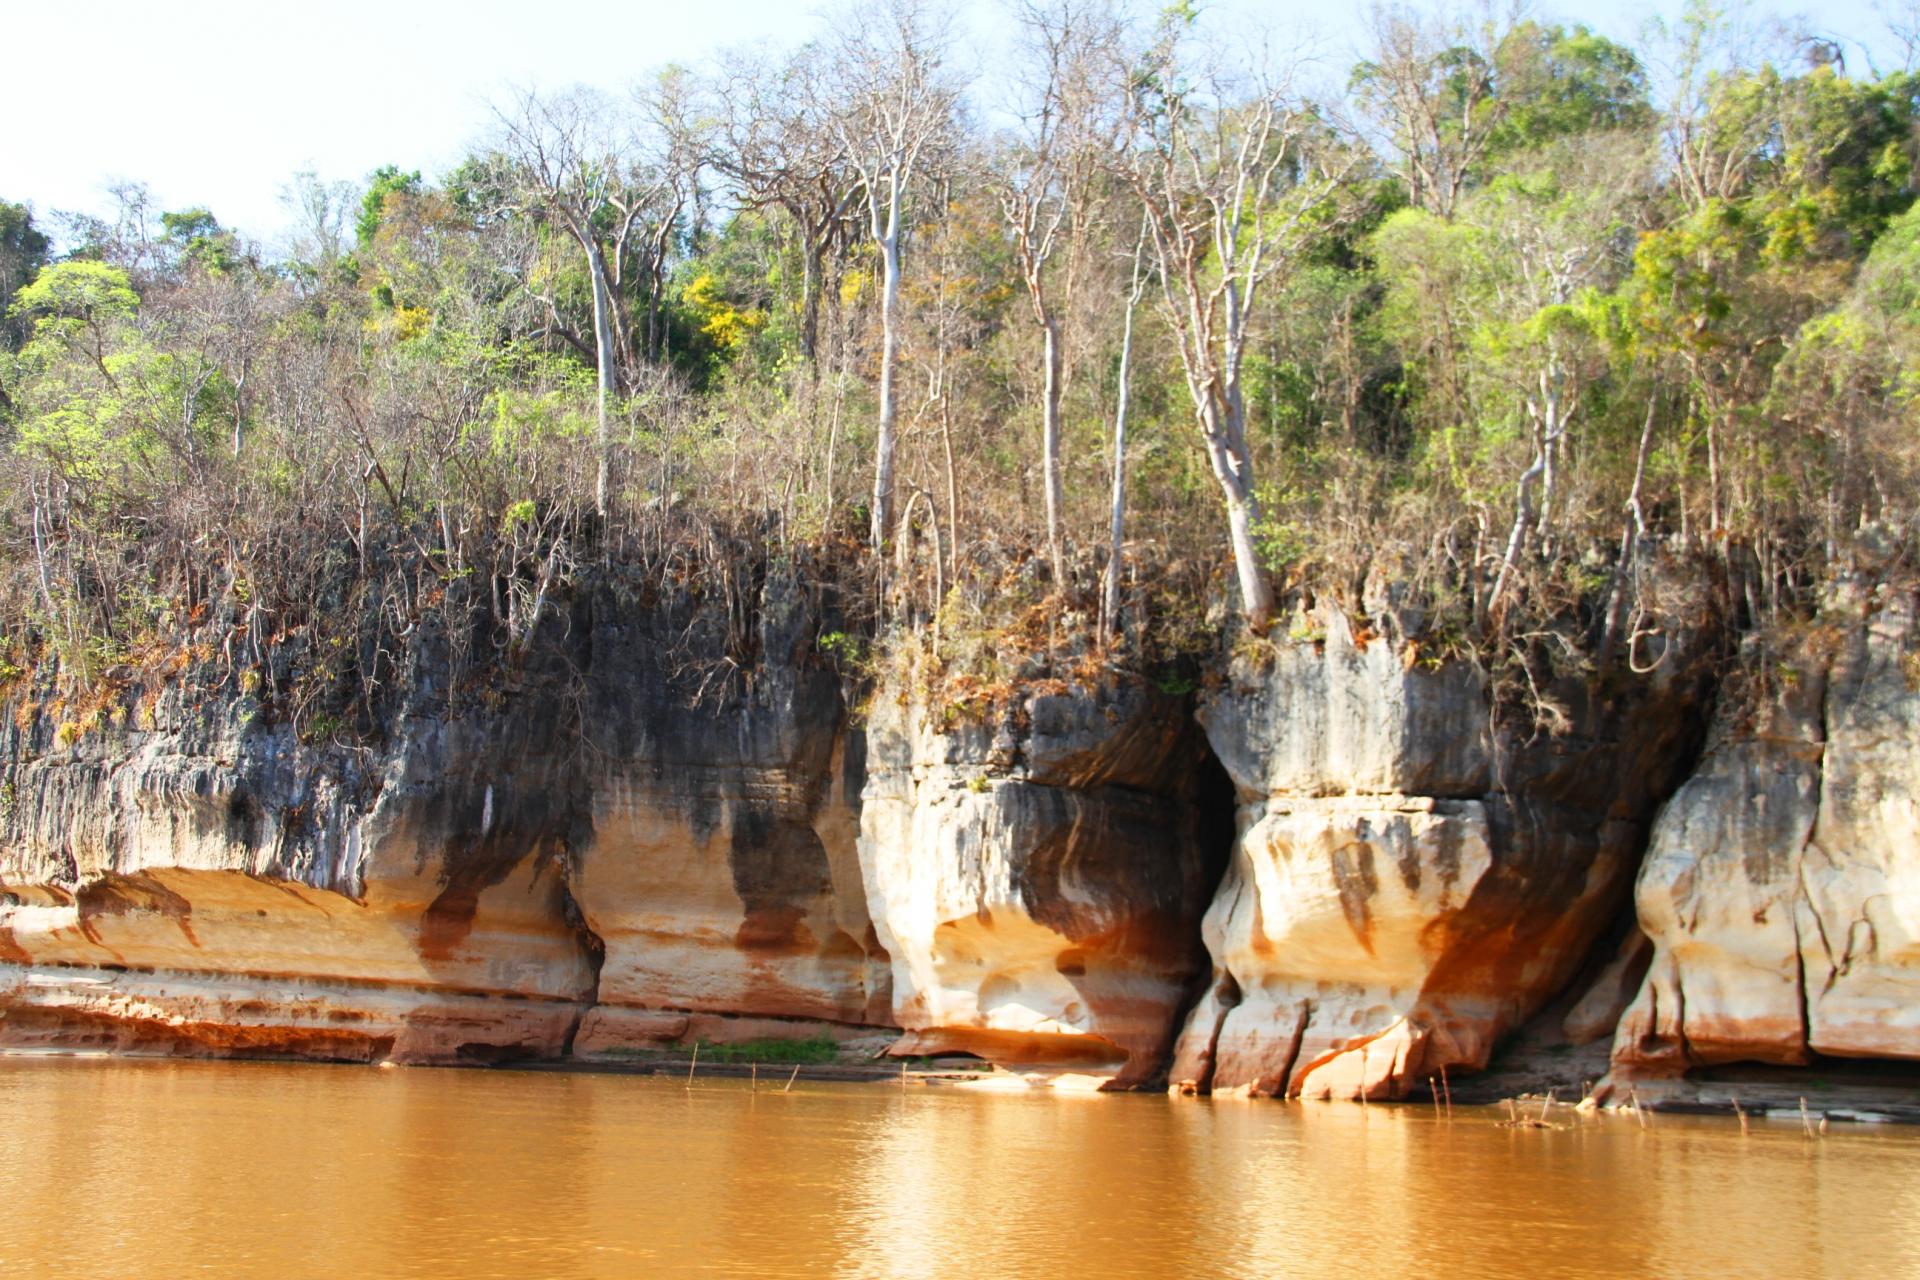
1168,333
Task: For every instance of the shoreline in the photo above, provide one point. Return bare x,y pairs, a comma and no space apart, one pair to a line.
1766,1103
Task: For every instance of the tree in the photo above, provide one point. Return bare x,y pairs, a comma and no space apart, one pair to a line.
1050,166
888,104
571,165
775,147
384,185
664,181
320,211
23,251
193,238
1430,89
1236,177
1557,83
1123,392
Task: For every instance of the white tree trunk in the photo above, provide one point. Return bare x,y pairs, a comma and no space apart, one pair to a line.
603,345
1117,509
1517,537
889,400
1233,468
1256,596
1050,451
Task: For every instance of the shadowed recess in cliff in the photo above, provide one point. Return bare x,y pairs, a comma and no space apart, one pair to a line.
779,866
123,895
513,823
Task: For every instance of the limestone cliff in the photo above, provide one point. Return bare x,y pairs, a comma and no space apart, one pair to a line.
1416,871
592,854
1038,876
1341,866
1781,890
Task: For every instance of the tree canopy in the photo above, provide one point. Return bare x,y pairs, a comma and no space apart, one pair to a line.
1489,316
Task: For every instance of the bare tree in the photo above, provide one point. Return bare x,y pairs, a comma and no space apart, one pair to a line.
577,164
1051,164
1431,88
569,159
660,187
887,104
1235,175
775,148
320,212
1714,153
1903,24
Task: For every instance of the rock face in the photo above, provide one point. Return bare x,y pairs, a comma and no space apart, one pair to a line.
1038,880
1411,878
591,862
656,821
227,889
1781,890
721,874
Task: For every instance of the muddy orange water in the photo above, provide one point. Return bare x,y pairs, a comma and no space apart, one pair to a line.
134,1169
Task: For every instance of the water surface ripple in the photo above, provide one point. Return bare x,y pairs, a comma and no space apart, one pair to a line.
131,1168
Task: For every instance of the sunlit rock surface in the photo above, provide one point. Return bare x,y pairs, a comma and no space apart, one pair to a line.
1414,875
661,824
720,873
219,890
1781,890
612,833
1038,878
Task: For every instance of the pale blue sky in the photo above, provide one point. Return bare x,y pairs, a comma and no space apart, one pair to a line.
219,102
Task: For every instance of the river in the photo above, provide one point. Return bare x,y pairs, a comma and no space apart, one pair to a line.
131,1168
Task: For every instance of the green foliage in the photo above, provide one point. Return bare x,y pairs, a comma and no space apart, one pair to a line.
197,239
385,185
812,1051
91,293
23,251
1559,83
417,427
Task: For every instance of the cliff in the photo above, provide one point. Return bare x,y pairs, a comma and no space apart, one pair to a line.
1345,863
587,856
1039,877
1418,867
1781,888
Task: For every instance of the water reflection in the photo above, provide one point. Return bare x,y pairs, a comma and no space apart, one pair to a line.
167,1169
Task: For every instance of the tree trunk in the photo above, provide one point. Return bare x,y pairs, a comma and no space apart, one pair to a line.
1227,451
603,345
882,519
953,493
1050,450
1117,509
1629,548
1256,594
809,301
1522,517
814,242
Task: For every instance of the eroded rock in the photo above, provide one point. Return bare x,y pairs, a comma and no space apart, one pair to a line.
1781,890
465,887
1037,879
1414,875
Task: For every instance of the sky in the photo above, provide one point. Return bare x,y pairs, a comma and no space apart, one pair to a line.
217,103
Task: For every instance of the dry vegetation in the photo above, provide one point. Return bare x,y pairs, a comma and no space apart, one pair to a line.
1488,329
